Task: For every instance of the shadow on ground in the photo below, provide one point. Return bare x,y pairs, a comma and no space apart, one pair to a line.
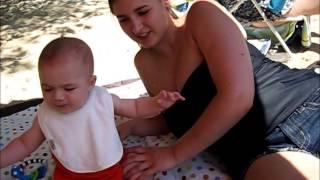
278,53
31,19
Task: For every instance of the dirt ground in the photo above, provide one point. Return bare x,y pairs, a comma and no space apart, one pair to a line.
302,57
27,26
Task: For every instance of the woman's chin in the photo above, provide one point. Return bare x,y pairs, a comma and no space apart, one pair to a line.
145,46
146,43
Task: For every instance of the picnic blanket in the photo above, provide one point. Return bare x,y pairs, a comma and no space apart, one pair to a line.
204,166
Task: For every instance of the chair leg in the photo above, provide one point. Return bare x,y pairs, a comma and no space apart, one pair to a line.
274,31
306,32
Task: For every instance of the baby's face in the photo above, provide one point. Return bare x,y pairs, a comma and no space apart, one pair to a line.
66,85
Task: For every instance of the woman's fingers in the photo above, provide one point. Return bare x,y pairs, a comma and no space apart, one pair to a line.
135,176
131,174
128,167
136,163
137,169
133,157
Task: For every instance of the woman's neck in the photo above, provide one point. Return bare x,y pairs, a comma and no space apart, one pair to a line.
168,42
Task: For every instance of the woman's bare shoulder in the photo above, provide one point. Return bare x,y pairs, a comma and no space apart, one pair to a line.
208,11
142,57
212,16
201,9
144,62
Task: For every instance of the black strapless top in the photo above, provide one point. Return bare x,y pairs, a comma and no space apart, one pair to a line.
274,101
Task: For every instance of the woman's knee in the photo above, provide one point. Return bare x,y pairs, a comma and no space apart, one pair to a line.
284,166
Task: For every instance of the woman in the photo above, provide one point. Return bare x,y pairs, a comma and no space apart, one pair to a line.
261,117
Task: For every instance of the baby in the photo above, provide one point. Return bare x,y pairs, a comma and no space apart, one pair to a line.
77,117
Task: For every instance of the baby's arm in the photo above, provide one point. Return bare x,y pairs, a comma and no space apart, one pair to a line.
22,146
145,107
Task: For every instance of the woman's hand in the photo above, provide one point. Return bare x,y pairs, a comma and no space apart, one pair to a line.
143,162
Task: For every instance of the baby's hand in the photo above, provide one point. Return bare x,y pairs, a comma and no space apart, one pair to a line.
165,99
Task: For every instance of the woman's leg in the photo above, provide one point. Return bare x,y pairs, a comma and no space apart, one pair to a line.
304,7
285,166
299,8
292,144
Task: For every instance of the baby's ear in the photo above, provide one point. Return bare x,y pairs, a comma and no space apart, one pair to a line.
93,80
167,3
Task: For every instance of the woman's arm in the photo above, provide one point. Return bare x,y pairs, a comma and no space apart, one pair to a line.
22,146
225,50
145,107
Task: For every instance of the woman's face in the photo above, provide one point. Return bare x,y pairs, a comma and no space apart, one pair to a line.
144,21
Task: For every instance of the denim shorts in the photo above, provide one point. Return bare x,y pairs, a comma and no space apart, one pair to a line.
300,131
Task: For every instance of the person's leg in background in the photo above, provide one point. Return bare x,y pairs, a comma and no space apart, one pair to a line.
304,7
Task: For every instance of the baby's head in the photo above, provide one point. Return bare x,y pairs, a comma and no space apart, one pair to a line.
66,74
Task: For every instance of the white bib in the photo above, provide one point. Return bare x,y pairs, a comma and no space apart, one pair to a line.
86,140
